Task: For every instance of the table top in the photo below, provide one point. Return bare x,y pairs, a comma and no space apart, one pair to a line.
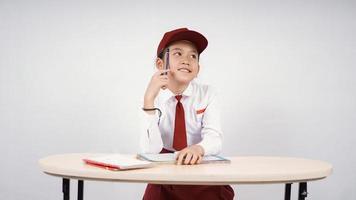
241,170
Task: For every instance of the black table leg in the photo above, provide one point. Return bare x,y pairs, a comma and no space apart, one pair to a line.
287,191
80,189
66,188
302,194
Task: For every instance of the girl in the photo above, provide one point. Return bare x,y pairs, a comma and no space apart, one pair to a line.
181,115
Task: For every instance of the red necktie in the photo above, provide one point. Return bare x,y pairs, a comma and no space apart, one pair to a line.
180,136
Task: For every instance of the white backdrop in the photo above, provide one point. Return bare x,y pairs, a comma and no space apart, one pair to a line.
73,74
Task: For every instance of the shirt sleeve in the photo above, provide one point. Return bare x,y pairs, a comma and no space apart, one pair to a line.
150,136
211,129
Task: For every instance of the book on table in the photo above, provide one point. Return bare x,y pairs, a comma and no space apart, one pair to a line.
171,158
117,162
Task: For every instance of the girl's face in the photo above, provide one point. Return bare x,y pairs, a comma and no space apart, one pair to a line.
183,62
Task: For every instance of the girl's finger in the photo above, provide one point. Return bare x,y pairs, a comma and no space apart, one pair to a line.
200,158
163,72
180,157
163,82
159,73
163,77
187,158
194,159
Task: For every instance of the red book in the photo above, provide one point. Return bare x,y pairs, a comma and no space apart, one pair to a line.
117,162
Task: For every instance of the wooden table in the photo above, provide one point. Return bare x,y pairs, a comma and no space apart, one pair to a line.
241,170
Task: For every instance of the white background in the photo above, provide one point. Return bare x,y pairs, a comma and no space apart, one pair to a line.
73,74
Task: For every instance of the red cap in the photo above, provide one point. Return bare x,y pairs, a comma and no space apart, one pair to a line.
194,37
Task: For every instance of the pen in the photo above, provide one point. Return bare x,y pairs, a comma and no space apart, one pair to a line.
167,61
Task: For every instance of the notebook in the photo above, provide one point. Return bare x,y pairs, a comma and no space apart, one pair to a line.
117,162
171,158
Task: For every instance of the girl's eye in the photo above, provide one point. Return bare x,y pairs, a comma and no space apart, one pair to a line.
177,54
194,56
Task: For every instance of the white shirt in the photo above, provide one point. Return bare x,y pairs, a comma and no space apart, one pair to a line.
202,119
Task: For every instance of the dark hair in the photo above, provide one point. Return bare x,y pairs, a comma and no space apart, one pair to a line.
160,55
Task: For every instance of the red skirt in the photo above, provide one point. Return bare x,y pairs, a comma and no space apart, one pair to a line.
188,192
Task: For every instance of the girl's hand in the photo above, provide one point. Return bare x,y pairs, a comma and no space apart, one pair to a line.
159,80
190,155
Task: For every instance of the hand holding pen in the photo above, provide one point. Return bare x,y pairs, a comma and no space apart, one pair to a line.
159,80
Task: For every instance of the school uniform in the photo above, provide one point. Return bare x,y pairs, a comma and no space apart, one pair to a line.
202,127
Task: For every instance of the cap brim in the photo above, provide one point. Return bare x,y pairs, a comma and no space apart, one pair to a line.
194,37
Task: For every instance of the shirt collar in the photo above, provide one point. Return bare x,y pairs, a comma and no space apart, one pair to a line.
188,90
167,94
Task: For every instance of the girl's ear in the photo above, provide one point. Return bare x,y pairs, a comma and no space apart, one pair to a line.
159,63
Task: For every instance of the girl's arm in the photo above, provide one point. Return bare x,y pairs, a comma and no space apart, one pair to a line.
211,129
211,134
150,139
